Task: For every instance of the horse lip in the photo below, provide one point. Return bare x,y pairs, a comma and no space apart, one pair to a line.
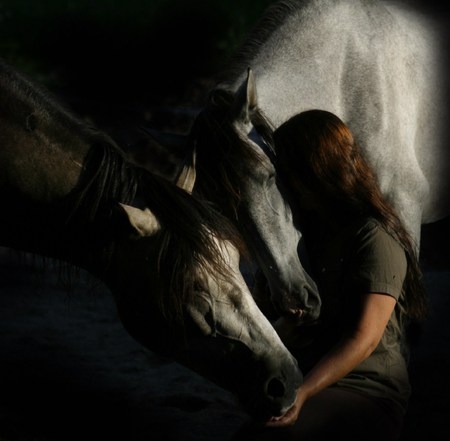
279,412
300,316
274,414
282,414
308,319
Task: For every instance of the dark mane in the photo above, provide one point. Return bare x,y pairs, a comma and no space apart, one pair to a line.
186,248
221,150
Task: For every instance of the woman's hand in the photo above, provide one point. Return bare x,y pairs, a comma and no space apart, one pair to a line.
291,416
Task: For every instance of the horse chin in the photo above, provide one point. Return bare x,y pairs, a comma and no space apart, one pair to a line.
264,413
231,366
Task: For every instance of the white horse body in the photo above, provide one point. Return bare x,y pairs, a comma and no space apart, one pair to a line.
379,67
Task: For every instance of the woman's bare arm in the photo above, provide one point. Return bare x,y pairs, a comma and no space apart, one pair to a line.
355,346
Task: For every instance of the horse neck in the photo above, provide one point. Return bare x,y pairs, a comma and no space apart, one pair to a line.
43,153
291,27
38,202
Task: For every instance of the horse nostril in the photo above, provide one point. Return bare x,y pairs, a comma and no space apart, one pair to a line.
275,388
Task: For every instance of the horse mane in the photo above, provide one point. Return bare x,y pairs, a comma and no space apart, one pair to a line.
187,247
220,149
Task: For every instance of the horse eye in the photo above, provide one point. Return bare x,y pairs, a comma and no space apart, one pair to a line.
272,177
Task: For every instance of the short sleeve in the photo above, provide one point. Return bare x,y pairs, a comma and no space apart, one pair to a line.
378,262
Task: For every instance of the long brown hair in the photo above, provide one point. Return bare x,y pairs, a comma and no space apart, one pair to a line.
317,147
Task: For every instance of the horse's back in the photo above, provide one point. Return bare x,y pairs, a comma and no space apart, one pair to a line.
379,66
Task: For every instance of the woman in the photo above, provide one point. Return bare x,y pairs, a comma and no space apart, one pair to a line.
364,262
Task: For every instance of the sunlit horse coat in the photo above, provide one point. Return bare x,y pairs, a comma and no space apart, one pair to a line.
380,67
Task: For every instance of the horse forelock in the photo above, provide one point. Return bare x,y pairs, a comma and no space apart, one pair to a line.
187,250
221,149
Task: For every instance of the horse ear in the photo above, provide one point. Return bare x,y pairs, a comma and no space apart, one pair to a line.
143,222
187,176
246,99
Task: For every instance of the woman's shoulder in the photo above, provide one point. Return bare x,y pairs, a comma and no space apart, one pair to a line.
370,228
373,239
378,260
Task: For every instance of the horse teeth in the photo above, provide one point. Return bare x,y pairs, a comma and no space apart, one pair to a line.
296,311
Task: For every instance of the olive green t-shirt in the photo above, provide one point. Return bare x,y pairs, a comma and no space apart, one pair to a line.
357,260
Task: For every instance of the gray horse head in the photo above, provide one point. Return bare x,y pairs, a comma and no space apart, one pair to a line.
215,328
235,169
381,67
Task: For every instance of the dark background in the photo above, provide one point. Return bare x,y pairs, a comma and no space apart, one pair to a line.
67,368
115,59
